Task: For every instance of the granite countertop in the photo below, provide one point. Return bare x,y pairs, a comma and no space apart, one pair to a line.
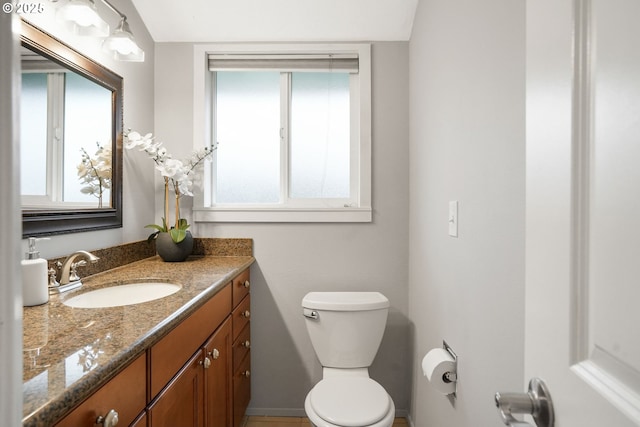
71,352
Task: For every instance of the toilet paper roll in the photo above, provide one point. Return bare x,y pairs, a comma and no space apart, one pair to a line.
435,365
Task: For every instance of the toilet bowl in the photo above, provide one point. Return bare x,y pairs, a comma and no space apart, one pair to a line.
349,402
346,329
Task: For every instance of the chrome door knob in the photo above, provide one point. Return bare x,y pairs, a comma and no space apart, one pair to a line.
109,420
536,402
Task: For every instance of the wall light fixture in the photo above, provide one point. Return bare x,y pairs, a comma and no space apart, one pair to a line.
121,41
85,20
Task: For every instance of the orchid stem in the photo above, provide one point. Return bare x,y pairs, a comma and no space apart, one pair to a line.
166,203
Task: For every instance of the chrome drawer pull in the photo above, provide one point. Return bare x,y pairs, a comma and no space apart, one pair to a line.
246,284
246,314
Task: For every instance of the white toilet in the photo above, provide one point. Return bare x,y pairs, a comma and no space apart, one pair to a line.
346,329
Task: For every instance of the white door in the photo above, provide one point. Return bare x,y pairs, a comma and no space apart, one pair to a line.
583,208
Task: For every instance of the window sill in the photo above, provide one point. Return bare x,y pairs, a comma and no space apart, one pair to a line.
235,214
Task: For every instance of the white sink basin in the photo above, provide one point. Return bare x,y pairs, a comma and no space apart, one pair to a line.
116,296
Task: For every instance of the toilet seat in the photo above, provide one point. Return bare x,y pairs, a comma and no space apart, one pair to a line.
350,401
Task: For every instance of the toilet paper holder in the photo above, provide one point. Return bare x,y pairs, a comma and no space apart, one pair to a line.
450,377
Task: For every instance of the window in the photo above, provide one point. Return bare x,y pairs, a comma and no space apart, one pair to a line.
293,133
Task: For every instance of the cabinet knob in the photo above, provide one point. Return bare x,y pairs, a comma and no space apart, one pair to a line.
246,284
109,420
246,344
214,354
246,314
246,374
206,363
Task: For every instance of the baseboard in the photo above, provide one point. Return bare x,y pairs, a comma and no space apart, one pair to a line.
298,412
276,412
410,420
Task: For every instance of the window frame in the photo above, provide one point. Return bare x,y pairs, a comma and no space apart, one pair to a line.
311,210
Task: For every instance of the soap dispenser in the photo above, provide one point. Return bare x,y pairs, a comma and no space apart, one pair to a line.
35,289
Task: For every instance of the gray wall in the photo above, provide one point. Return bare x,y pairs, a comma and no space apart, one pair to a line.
293,259
467,144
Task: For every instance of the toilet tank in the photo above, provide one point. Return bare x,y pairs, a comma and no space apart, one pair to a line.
346,328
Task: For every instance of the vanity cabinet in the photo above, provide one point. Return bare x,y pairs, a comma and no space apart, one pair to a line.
198,375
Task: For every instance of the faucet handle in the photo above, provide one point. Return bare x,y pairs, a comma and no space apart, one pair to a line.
73,275
53,282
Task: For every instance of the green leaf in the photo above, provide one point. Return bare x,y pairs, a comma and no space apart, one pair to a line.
157,227
177,234
183,224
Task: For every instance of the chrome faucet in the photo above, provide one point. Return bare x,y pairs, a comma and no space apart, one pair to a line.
68,269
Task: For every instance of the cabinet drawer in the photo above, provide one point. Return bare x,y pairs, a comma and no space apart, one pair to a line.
170,353
241,390
240,287
241,316
241,347
126,393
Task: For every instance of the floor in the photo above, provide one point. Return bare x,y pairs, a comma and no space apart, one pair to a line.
296,422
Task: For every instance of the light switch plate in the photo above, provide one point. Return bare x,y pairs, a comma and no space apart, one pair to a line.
453,218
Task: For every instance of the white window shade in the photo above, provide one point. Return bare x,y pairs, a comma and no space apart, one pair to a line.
345,63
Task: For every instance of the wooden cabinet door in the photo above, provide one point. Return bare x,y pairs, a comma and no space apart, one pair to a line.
180,404
241,391
141,421
217,397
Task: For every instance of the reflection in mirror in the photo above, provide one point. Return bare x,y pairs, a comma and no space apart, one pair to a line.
71,139
63,128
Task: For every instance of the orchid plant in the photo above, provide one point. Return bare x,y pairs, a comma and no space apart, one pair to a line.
176,175
95,172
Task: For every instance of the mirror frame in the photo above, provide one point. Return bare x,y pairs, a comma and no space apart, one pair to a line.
42,222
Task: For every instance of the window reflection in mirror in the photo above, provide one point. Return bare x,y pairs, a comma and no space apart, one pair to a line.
66,136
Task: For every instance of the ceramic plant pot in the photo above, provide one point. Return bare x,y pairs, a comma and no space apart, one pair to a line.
170,251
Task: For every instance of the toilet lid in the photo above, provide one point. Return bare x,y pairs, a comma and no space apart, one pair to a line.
349,401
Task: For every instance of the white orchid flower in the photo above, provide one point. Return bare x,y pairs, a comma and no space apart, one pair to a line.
171,168
185,186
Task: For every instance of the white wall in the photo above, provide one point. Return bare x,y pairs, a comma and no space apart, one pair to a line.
293,259
138,179
467,144
10,294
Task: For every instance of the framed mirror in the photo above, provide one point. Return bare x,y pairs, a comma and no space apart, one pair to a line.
71,139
